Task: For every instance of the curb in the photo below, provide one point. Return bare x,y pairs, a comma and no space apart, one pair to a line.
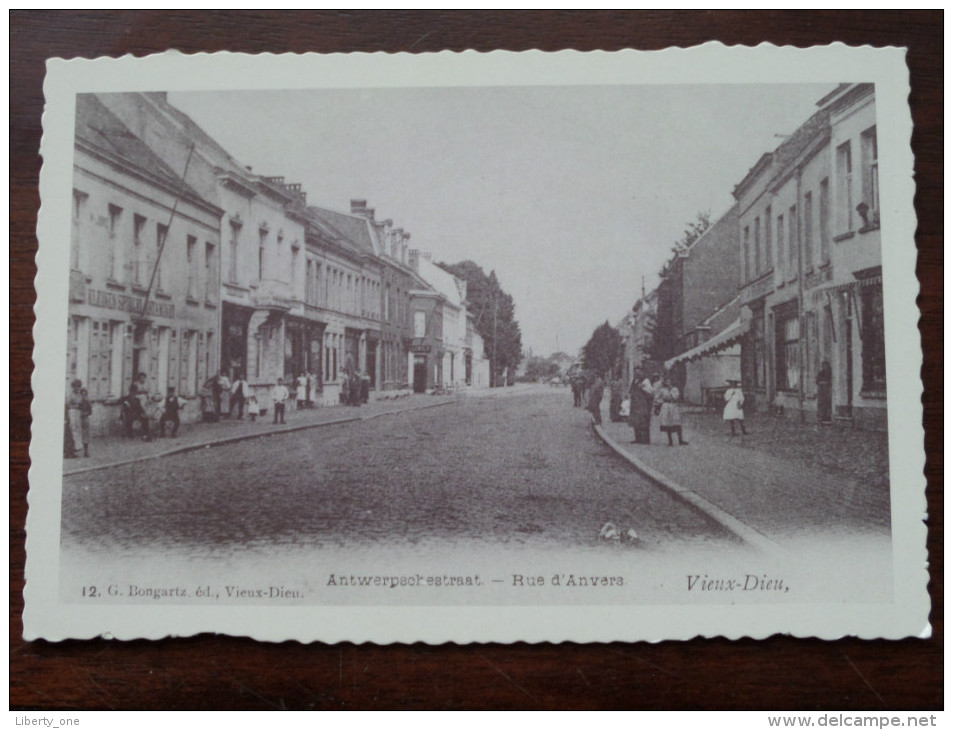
248,436
744,532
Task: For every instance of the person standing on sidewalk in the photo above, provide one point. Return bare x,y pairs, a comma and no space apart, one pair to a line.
224,395
596,390
640,407
85,411
240,393
734,406
74,404
670,417
279,395
301,391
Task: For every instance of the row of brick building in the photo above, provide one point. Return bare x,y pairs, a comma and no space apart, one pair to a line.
185,263
788,279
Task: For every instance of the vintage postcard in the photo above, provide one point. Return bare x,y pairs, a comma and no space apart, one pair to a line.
478,347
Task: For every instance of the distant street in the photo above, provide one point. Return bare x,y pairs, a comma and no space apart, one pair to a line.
521,469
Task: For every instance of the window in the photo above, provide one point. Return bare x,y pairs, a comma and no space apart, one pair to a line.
780,243
872,338
757,246
211,269
77,248
746,253
845,199
115,243
161,233
825,215
295,250
190,243
236,229
768,252
138,270
262,239
387,304
792,242
788,353
420,324
871,181
808,231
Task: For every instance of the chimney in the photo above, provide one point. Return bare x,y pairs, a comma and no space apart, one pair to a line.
413,259
427,255
358,206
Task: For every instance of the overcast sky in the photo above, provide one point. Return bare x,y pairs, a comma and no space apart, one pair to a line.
571,194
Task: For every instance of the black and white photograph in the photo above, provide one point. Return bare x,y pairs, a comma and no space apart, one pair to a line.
478,347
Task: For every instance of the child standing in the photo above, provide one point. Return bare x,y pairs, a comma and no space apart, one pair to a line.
253,409
734,406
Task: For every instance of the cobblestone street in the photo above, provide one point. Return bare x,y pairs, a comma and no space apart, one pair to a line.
517,470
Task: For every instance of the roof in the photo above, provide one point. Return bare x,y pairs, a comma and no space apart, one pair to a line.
355,229
788,151
195,132
441,280
99,127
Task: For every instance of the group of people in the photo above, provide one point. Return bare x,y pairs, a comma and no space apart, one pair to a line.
654,396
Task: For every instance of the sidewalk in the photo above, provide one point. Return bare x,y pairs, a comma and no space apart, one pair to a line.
784,479
107,451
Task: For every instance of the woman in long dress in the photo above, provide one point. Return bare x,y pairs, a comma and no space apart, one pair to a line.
670,417
640,407
301,391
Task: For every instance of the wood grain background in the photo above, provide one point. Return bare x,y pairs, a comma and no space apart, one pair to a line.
218,672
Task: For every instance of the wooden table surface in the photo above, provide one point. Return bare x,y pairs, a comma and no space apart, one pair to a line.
220,672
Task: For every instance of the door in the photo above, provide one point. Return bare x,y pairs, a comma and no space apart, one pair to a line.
420,373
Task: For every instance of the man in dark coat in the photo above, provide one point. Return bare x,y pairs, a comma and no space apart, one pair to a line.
641,399
596,389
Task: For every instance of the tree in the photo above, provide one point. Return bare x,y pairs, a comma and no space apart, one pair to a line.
603,353
494,317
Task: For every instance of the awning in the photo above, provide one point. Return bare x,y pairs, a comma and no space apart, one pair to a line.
723,340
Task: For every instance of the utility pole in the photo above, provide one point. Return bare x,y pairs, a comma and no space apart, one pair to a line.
493,359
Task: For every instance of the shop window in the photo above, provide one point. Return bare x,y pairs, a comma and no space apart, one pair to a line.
788,352
116,341
872,331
